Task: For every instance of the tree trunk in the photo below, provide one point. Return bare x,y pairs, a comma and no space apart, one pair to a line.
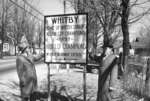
125,31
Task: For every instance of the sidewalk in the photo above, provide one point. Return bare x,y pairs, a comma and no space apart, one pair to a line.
8,59
9,82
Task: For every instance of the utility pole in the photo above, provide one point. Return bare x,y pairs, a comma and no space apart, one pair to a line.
16,28
81,9
64,2
2,32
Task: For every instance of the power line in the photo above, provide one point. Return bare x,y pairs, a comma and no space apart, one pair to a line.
25,10
33,7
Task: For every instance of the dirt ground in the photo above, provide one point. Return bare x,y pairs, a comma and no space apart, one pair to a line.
68,86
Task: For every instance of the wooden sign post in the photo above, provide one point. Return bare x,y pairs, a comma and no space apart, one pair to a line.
48,83
84,83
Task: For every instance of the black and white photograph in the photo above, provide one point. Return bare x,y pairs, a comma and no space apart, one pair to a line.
74,50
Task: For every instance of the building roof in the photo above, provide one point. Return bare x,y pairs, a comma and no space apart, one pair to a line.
142,43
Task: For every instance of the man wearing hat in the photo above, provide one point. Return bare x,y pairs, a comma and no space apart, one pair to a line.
27,72
106,75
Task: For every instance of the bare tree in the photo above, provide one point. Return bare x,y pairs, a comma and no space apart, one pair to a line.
5,21
125,30
104,15
21,20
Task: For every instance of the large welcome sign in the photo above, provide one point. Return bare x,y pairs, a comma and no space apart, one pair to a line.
66,38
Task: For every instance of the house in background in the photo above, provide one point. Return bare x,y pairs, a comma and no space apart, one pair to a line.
141,46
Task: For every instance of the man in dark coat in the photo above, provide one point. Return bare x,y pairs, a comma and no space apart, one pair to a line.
107,78
27,73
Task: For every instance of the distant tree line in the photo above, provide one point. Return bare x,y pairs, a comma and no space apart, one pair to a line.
18,18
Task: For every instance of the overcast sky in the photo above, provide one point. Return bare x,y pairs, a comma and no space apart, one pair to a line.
52,7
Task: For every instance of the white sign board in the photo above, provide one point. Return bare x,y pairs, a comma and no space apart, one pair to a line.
66,38
5,47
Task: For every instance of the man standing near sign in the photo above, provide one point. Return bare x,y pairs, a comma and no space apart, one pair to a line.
27,73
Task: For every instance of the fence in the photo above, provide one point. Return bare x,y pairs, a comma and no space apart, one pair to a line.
134,78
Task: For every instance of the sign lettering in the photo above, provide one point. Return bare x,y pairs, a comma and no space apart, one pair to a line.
65,38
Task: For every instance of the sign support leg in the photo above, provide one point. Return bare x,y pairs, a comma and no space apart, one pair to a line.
84,83
48,77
